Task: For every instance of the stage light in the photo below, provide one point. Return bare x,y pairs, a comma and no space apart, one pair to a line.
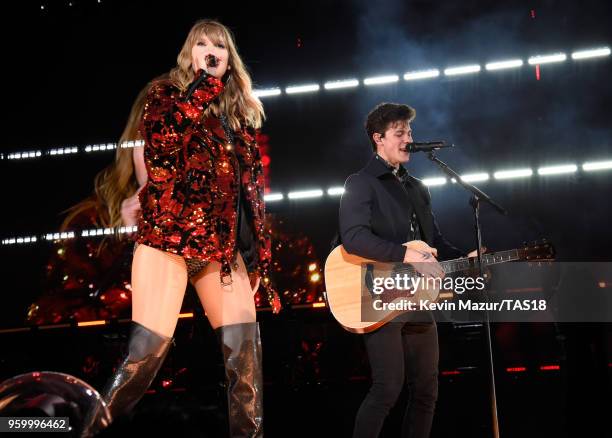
379,80
315,277
421,74
296,89
132,144
517,173
303,194
550,368
434,181
335,191
592,53
267,92
555,170
22,155
596,165
64,151
462,70
101,147
271,197
547,59
475,177
501,65
90,323
59,236
19,240
99,232
312,267
334,85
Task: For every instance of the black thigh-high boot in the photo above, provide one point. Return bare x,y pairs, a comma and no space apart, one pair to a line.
241,346
147,351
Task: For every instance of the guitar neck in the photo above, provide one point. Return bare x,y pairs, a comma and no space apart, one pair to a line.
466,263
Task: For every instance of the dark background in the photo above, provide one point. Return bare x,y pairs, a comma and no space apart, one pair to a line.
71,71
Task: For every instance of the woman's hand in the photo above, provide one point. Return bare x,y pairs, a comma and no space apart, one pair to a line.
130,209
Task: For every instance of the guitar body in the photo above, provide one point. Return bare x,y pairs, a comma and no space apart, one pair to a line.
346,281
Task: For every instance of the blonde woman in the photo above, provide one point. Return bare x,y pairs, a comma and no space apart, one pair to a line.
201,220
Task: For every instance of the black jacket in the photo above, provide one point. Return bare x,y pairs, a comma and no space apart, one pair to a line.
375,215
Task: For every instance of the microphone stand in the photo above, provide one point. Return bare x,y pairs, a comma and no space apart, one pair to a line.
475,200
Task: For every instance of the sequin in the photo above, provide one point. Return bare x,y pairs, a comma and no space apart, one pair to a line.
192,171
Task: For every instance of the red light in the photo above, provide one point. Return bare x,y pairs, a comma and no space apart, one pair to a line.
516,369
299,43
538,72
450,373
123,296
550,367
265,160
533,13
166,383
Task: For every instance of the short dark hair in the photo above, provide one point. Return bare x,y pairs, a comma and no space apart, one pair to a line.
383,115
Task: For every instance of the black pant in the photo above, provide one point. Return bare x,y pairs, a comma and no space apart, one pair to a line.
401,353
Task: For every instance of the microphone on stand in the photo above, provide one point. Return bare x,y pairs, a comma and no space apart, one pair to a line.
427,146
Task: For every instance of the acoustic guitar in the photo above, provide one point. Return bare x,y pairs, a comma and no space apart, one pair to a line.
351,285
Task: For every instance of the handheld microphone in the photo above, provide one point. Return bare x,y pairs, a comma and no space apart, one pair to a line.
211,60
427,146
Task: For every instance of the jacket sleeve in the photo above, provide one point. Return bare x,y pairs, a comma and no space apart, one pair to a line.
169,114
258,184
446,250
264,256
356,225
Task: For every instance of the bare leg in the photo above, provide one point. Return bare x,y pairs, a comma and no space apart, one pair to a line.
159,280
226,305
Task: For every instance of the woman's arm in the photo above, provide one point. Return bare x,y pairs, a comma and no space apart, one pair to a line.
170,114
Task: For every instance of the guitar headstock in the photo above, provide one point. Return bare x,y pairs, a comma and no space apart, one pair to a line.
537,250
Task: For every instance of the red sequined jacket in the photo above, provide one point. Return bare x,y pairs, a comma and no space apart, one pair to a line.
189,204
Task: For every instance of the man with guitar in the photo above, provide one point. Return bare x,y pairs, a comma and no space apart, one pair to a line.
386,216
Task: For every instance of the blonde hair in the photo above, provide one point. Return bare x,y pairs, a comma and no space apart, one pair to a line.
118,180
237,101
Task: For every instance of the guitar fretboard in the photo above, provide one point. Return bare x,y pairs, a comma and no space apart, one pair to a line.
466,263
